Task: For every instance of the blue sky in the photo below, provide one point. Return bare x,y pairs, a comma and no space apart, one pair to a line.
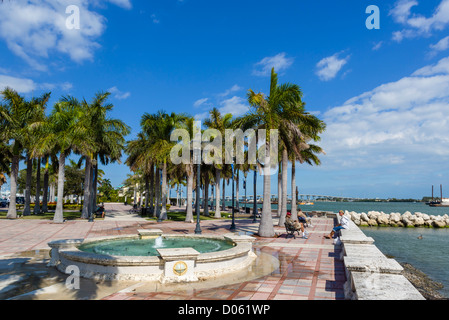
383,93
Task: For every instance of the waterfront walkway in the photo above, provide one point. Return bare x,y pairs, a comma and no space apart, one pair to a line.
309,269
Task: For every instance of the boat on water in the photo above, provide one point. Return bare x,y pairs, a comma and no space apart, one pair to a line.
442,202
306,203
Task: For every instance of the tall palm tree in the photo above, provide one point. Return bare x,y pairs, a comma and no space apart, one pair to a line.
160,128
297,129
140,158
108,137
68,132
19,121
221,123
268,112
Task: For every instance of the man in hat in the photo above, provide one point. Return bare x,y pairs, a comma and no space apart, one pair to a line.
297,225
344,224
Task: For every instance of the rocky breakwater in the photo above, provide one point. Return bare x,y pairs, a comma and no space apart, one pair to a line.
395,219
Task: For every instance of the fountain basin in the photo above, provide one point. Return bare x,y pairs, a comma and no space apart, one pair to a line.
171,265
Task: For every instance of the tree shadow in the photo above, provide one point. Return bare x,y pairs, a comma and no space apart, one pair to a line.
26,276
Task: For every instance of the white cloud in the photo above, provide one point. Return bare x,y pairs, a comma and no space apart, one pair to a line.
403,122
233,89
402,10
279,62
20,85
330,66
126,4
440,46
36,29
236,106
418,25
119,94
24,85
377,45
198,103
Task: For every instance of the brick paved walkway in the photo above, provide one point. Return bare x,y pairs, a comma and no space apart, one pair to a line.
309,268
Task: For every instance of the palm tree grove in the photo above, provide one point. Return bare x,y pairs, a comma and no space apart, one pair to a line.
53,155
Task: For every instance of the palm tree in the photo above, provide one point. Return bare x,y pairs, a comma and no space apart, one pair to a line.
19,119
219,122
68,132
269,113
160,128
307,155
108,142
188,124
139,158
5,161
296,129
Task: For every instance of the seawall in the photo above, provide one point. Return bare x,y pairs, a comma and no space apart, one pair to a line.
370,274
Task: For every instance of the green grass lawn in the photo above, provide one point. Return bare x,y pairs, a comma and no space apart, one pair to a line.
68,215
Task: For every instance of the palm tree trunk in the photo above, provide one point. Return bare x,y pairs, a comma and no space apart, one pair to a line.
45,194
280,198
284,187
189,209
87,183
59,213
266,228
163,215
151,213
206,195
158,192
95,185
37,205
12,210
294,211
91,199
147,191
223,205
217,194
27,209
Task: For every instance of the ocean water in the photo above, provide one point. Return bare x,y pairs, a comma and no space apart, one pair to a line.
430,255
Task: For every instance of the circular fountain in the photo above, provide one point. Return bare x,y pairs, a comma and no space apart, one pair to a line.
151,255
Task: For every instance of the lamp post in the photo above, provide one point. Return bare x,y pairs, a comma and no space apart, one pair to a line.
255,198
197,209
232,228
195,143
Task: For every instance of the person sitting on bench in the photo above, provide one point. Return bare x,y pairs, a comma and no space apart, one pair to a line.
100,211
303,218
344,224
297,225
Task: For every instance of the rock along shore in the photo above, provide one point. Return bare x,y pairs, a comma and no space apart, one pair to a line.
426,286
395,219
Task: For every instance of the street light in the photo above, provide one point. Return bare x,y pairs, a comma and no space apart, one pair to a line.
255,198
197,210
195,143
232,228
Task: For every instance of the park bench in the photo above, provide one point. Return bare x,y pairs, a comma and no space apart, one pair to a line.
290,229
